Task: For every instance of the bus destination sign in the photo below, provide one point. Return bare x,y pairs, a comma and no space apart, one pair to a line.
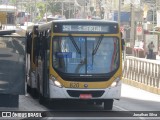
85,28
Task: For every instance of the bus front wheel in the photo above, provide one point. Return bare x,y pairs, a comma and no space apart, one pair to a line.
108,104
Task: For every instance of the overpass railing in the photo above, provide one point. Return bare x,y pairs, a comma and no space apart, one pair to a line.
142,73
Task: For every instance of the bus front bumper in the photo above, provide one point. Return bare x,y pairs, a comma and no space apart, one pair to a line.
71,93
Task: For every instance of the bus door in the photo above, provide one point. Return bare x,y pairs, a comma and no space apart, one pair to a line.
44,71
28,52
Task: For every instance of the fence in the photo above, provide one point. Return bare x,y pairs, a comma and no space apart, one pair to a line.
142,73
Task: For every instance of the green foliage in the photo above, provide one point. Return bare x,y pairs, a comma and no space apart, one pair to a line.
42,9
12,1
53,6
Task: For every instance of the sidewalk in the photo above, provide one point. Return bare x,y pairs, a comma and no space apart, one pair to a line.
157,57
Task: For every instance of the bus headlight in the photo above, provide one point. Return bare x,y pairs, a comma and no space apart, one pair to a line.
55,81
115,82
58,84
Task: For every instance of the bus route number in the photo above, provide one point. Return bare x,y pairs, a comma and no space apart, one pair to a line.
74,85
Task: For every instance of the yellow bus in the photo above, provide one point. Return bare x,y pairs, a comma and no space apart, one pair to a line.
79,60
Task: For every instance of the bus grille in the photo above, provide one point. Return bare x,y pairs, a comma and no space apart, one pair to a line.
83,79
76,93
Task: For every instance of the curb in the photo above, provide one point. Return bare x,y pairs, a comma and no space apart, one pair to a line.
141,86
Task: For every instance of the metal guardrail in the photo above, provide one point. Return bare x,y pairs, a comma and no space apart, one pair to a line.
142,73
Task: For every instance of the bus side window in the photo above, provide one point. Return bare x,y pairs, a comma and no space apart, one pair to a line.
47,48
36,49
29,43
40,47
122,44
47,45
48,37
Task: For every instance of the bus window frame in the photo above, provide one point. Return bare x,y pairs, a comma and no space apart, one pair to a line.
102,35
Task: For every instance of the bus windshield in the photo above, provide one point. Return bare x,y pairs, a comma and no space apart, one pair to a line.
85,55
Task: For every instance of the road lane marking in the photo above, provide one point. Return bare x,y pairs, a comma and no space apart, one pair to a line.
122,109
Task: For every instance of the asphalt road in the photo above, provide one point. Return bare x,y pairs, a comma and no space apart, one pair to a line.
134,104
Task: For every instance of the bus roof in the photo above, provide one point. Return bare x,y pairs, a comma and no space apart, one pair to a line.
30,28
85,20
48,25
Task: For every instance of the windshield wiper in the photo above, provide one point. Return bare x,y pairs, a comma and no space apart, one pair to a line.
74,43
97,46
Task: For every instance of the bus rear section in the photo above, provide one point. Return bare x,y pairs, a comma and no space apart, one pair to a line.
80,60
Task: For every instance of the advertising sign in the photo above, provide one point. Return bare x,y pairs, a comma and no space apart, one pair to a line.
139,30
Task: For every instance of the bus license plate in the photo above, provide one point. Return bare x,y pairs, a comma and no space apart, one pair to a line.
85,96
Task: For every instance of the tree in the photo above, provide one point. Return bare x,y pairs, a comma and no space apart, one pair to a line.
101,9
42,9
54,6
13,1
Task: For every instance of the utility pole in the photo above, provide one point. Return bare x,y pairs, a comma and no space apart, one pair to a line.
84,8
35,12
69,10
74,9
154,10
46,11
62,7
119,13
16,13
132,29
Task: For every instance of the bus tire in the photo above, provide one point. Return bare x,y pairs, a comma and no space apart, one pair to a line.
108,104
34,93
41,99
28,89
